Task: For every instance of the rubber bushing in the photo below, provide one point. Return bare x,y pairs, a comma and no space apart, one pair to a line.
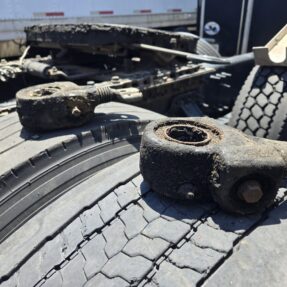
172,156
202,159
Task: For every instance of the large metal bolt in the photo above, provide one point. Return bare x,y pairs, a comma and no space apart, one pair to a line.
250,191
90,83
186,190
115,79
76,112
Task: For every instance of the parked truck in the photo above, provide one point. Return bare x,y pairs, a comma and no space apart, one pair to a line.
15,15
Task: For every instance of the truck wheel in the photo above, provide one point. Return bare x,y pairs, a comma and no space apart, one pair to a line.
95,226
260,109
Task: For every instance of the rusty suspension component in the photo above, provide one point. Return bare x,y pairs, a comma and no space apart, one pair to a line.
202,159
65,104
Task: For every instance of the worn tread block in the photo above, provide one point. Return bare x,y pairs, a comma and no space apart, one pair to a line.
94,255
208,237
91,220
141,184
259,259
102,281
153,206
126,194
232,223
196,258
132,269
115,238
171,231
109,207
146,247
55,280
51,252
73,273
72,236
169,275
186,212
133,220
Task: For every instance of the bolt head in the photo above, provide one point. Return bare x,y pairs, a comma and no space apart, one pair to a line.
186,190
250,191
115,79
76,112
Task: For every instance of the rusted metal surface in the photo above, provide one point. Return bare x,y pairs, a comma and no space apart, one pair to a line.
41,67
274,53
105,38
146,67
198,158
48,106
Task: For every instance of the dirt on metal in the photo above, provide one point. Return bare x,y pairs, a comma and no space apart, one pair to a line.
202,159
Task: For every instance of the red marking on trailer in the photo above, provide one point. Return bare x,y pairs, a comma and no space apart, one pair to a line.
102,12
107,12
175,10
143,11
54,14
49,14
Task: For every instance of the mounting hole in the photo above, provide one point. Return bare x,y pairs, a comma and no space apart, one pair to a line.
42,92
187,134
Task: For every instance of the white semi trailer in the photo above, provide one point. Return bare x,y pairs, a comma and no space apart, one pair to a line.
16,14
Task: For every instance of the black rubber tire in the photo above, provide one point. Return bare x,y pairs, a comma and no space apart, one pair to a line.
204,48
216,96
260,109
110,229
90,148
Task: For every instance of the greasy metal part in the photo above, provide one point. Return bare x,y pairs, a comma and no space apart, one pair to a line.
187,134
186,55
274,53
104,38
231,61
114,42
141,77
8,70
64,104
199,156
40,67
60,104
7,107
42,70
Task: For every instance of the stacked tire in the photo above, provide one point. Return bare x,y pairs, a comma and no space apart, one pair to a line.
261,107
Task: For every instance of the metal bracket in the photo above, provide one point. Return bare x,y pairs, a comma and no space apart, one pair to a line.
274,53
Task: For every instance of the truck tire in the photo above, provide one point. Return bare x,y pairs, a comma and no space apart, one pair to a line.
204,48
89,150
260,109
217,94
109,228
